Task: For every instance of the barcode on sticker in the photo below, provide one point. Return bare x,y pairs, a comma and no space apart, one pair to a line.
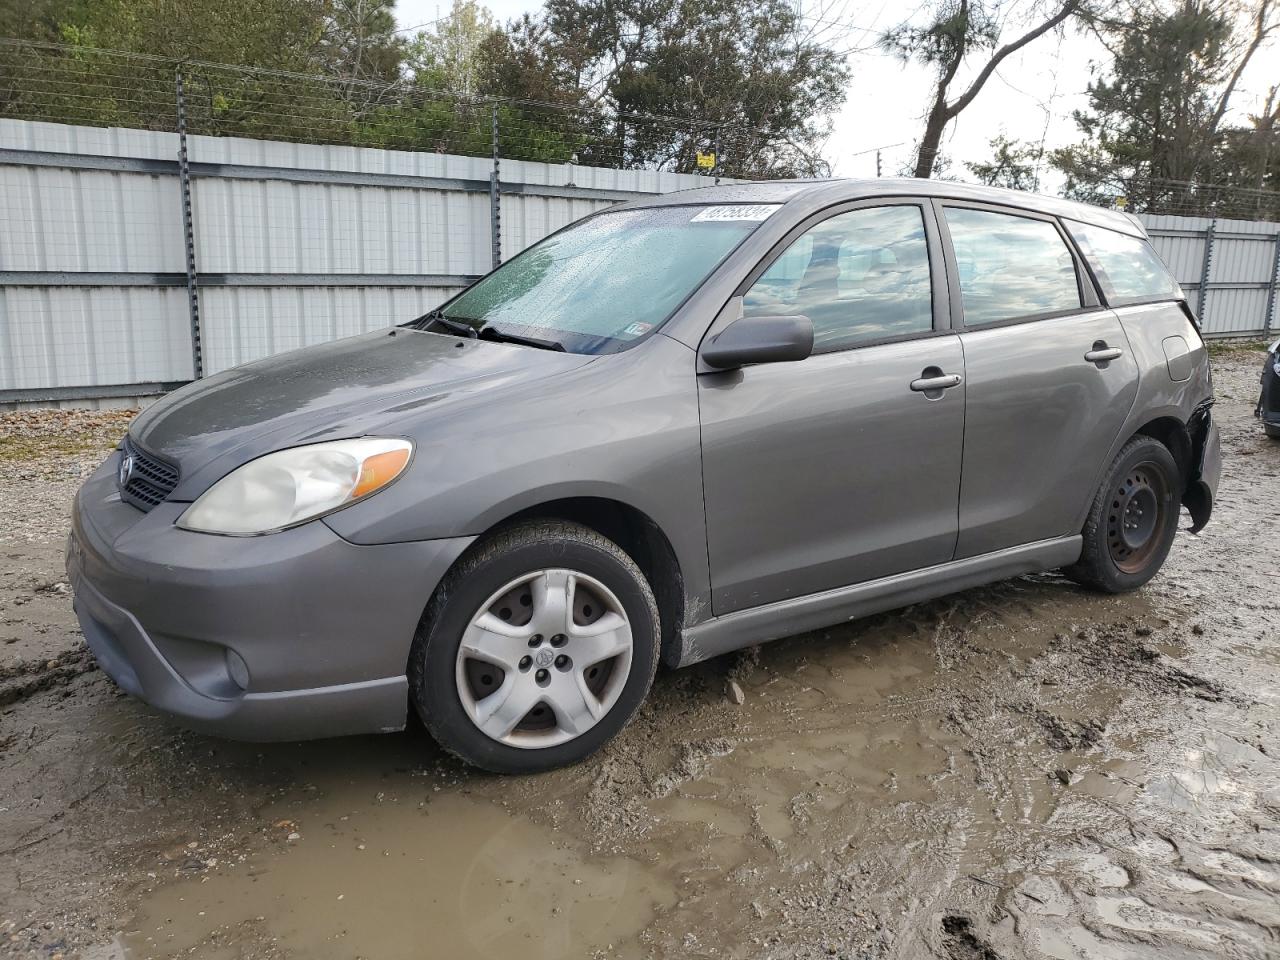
739,211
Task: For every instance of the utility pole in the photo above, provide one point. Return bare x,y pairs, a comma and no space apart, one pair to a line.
877,163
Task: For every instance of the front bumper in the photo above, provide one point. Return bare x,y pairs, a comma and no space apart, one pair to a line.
323,626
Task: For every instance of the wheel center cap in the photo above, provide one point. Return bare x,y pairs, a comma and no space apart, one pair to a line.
544,657
1138,520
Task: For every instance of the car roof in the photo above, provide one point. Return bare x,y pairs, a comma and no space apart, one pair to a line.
820,192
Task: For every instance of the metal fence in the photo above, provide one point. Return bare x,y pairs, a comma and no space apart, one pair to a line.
129,263
1230,270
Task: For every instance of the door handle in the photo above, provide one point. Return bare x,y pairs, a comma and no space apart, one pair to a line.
1101,353
938,381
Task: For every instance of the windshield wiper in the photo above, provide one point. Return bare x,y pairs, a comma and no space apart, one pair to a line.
500,336
438,318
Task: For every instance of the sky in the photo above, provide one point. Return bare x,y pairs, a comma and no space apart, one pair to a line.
1031,97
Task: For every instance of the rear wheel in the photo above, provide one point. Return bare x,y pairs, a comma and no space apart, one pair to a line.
536,649
1271,431
1133,519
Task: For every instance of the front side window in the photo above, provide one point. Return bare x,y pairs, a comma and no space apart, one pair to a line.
1010,267
1127,268
860,276
599,285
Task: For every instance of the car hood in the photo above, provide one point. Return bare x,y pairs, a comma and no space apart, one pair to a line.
346,388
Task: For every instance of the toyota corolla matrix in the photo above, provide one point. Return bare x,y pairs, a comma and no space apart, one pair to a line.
678,427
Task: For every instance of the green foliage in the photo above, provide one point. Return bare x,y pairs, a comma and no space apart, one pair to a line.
1013,164
591,81
956,29
1154,129
739,69
449,58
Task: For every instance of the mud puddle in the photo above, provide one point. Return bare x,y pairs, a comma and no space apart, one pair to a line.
448,876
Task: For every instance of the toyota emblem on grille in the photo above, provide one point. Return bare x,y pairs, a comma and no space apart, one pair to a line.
126,471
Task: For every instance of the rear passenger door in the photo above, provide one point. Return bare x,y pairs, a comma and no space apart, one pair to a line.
1050,376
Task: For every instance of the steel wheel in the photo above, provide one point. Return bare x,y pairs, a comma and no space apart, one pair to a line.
1137,516
544,659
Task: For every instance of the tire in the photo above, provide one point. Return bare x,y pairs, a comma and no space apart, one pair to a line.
1124,544
1271,431
559,701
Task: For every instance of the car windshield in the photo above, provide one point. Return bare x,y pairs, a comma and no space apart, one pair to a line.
604,283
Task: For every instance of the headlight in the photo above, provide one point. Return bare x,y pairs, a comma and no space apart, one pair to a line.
290,487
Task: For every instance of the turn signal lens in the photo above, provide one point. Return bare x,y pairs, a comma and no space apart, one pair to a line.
379,470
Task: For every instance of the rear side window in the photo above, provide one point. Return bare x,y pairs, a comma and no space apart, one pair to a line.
1127,268
1010,267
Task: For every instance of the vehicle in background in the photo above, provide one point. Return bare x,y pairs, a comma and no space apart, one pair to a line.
1268,408
678,427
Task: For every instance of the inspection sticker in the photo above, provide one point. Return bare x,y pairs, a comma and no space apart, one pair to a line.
638,329
738,211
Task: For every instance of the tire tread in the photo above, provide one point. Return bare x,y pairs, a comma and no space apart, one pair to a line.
1095,568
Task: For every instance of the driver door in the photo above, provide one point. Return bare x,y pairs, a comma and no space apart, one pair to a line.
835,469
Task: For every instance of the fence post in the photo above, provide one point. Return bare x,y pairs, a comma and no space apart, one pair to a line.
184,181
1269,319
495,201
1205,269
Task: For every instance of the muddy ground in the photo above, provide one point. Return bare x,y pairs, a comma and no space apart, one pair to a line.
1025,770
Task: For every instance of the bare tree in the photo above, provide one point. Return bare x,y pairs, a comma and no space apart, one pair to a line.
957,30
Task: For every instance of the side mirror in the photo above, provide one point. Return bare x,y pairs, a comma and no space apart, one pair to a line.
759,340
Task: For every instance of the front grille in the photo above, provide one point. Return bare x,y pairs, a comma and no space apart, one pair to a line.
150,481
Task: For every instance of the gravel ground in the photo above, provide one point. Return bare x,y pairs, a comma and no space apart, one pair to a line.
44,457
1023,770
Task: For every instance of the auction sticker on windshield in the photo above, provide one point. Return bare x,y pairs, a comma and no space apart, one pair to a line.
740,211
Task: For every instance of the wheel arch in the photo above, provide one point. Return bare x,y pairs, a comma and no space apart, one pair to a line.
632,529
1185,442
1173,433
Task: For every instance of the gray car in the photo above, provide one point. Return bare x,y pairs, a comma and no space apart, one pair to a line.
678,427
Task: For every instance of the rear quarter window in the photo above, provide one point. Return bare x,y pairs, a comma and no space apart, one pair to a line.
1128,268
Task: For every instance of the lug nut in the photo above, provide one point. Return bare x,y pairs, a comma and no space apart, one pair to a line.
562,662
526,662
558,640
542,676
535,640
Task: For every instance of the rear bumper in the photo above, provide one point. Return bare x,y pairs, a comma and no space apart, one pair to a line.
1202,487
321,626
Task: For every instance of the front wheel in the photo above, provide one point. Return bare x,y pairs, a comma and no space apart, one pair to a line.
536,649
1133,519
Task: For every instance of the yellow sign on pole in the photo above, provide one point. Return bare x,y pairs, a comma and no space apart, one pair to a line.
1121,202
707,161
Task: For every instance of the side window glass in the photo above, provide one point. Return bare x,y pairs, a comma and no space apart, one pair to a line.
1127,268
1010,266
859,276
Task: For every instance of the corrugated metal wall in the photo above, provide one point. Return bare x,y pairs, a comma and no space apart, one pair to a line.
1228,269
301,243
294,244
